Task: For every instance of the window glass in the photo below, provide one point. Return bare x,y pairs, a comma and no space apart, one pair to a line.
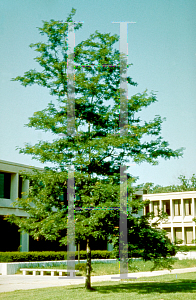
177,207
166,207
1,185
5,179
187,207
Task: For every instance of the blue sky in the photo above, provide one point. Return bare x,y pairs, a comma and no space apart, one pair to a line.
161,46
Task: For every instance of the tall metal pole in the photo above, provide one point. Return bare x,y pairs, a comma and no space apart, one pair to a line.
123,233
70,133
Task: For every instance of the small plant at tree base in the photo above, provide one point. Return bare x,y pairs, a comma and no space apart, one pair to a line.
178,241
82,267
161,263
132,267
183,248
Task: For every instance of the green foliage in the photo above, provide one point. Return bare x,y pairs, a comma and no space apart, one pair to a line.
184,185
162,263
82,267
185,248
149,243
178,241
32,256
50,255
132,267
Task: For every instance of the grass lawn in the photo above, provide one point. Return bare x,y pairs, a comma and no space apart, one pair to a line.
137,266
165,287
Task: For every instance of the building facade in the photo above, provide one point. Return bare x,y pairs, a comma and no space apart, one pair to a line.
181,209
11,187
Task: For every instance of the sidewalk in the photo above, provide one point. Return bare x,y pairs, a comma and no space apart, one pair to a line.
10,283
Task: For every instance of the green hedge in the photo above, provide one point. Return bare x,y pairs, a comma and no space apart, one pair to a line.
49,256
186,248
62,255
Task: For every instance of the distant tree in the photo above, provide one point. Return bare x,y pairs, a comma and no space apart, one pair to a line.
184,185
96,150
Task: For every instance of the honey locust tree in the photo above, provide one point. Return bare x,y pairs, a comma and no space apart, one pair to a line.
96,150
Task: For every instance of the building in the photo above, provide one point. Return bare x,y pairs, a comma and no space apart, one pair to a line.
11,187
181,209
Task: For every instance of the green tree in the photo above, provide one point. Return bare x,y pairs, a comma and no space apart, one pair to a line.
96,150
185,184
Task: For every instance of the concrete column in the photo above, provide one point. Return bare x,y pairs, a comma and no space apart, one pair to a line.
14,186
182,208
172,234
193,208
183,215
160,204
193,215
160,207
151,206
183,235
171,209
24,242
194,232
25,187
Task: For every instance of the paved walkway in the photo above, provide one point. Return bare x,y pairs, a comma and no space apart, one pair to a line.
20,282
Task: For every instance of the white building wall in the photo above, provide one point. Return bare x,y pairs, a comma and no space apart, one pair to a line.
6,207
180,225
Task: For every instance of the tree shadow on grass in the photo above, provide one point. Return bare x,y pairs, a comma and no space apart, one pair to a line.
174,286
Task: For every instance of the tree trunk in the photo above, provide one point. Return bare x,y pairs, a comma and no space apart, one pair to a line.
88,266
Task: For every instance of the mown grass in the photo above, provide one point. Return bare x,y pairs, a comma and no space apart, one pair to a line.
136,266
165,287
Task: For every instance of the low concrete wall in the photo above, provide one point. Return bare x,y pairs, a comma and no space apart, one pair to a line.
11,268
186,255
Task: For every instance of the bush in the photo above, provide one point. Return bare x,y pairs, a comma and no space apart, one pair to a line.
186,248
32,256
49,256
82,267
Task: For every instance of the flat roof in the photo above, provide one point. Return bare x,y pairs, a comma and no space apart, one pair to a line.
14,167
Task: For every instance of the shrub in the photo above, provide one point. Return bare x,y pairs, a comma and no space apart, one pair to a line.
186,248
82,267
49,256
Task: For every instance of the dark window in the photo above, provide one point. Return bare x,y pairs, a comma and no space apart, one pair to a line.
187,206
1,185
166,207
9,236
146,209
20,187
156,208
5,179
177,207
